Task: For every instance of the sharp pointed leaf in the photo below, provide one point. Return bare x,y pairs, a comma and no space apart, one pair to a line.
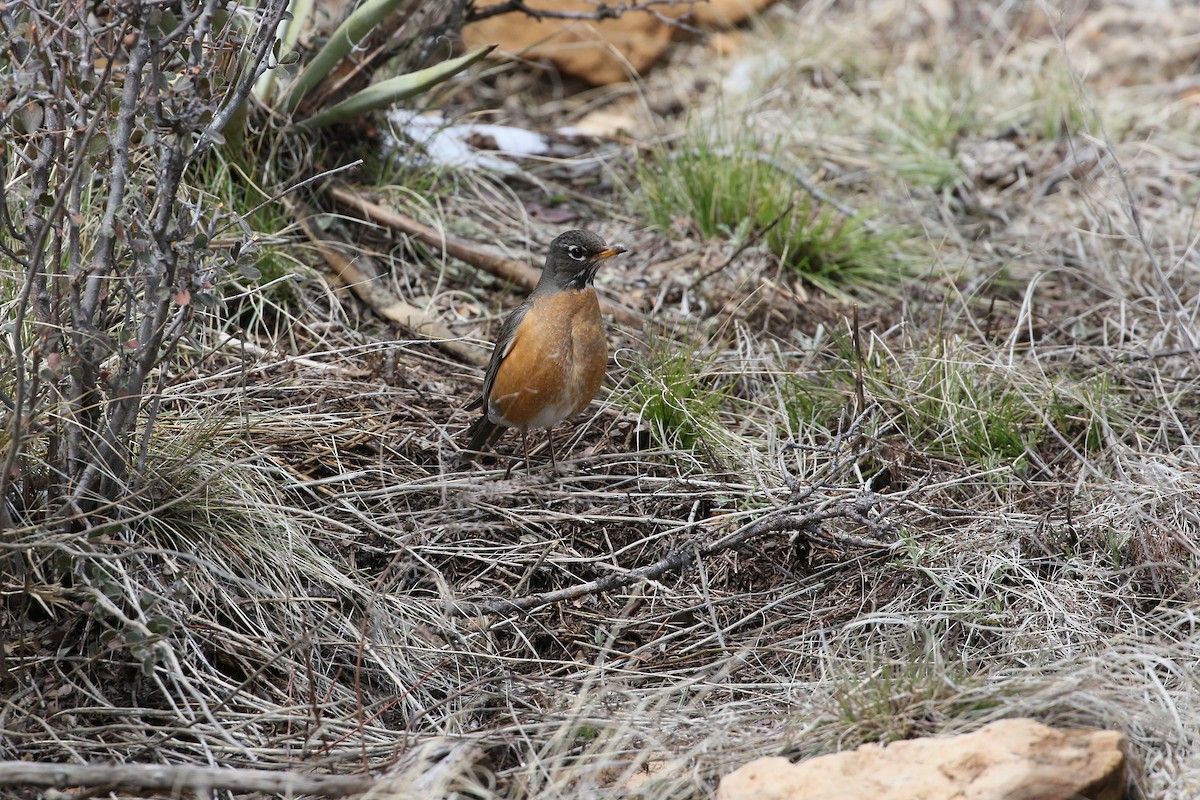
343,40
393,90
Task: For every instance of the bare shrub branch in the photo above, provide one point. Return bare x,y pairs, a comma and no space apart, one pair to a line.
111,282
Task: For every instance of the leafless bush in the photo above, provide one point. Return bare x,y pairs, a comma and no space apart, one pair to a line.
111,255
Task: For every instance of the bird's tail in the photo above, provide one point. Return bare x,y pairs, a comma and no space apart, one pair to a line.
483,433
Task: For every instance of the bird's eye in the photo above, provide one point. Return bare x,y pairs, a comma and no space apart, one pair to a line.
576,252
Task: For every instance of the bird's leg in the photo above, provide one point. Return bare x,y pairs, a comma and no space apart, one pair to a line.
513,462
525,447
550,444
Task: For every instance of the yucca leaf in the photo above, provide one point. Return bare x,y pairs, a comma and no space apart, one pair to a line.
393,90
344,39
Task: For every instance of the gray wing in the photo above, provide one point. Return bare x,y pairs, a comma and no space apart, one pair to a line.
504,342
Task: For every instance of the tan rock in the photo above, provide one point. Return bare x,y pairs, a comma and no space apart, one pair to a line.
718,13
599,52
1015,759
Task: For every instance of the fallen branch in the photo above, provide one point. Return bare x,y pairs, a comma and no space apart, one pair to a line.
682,557
359,273
603,10
177,777
259,352
438,767
477,256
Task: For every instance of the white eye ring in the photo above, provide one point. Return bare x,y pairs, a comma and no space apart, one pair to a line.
576,252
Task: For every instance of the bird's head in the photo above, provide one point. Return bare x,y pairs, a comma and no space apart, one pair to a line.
574,258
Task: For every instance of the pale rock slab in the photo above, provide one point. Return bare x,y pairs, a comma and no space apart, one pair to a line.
1013,759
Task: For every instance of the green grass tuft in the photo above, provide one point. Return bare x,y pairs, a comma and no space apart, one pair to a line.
726,188
676,395
227,177
949,401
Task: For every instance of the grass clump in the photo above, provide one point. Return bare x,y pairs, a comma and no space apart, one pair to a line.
894,689
923,122
252,245
731,188
949,401
676,396
963,407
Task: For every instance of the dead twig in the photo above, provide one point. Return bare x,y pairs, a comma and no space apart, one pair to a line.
682,557
360,274
480,257
603,10
750,241
256,351
807,185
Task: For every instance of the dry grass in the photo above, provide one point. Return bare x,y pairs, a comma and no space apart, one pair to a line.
1010,529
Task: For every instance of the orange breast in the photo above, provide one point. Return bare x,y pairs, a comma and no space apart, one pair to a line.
556,363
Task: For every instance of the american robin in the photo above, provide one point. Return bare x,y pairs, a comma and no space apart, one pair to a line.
551,353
